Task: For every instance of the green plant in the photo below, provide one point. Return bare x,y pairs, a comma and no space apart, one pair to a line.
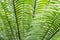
29,19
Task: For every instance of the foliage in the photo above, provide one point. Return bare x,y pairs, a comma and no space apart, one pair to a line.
29,19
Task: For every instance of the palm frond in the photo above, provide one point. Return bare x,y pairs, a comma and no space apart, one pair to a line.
29,19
